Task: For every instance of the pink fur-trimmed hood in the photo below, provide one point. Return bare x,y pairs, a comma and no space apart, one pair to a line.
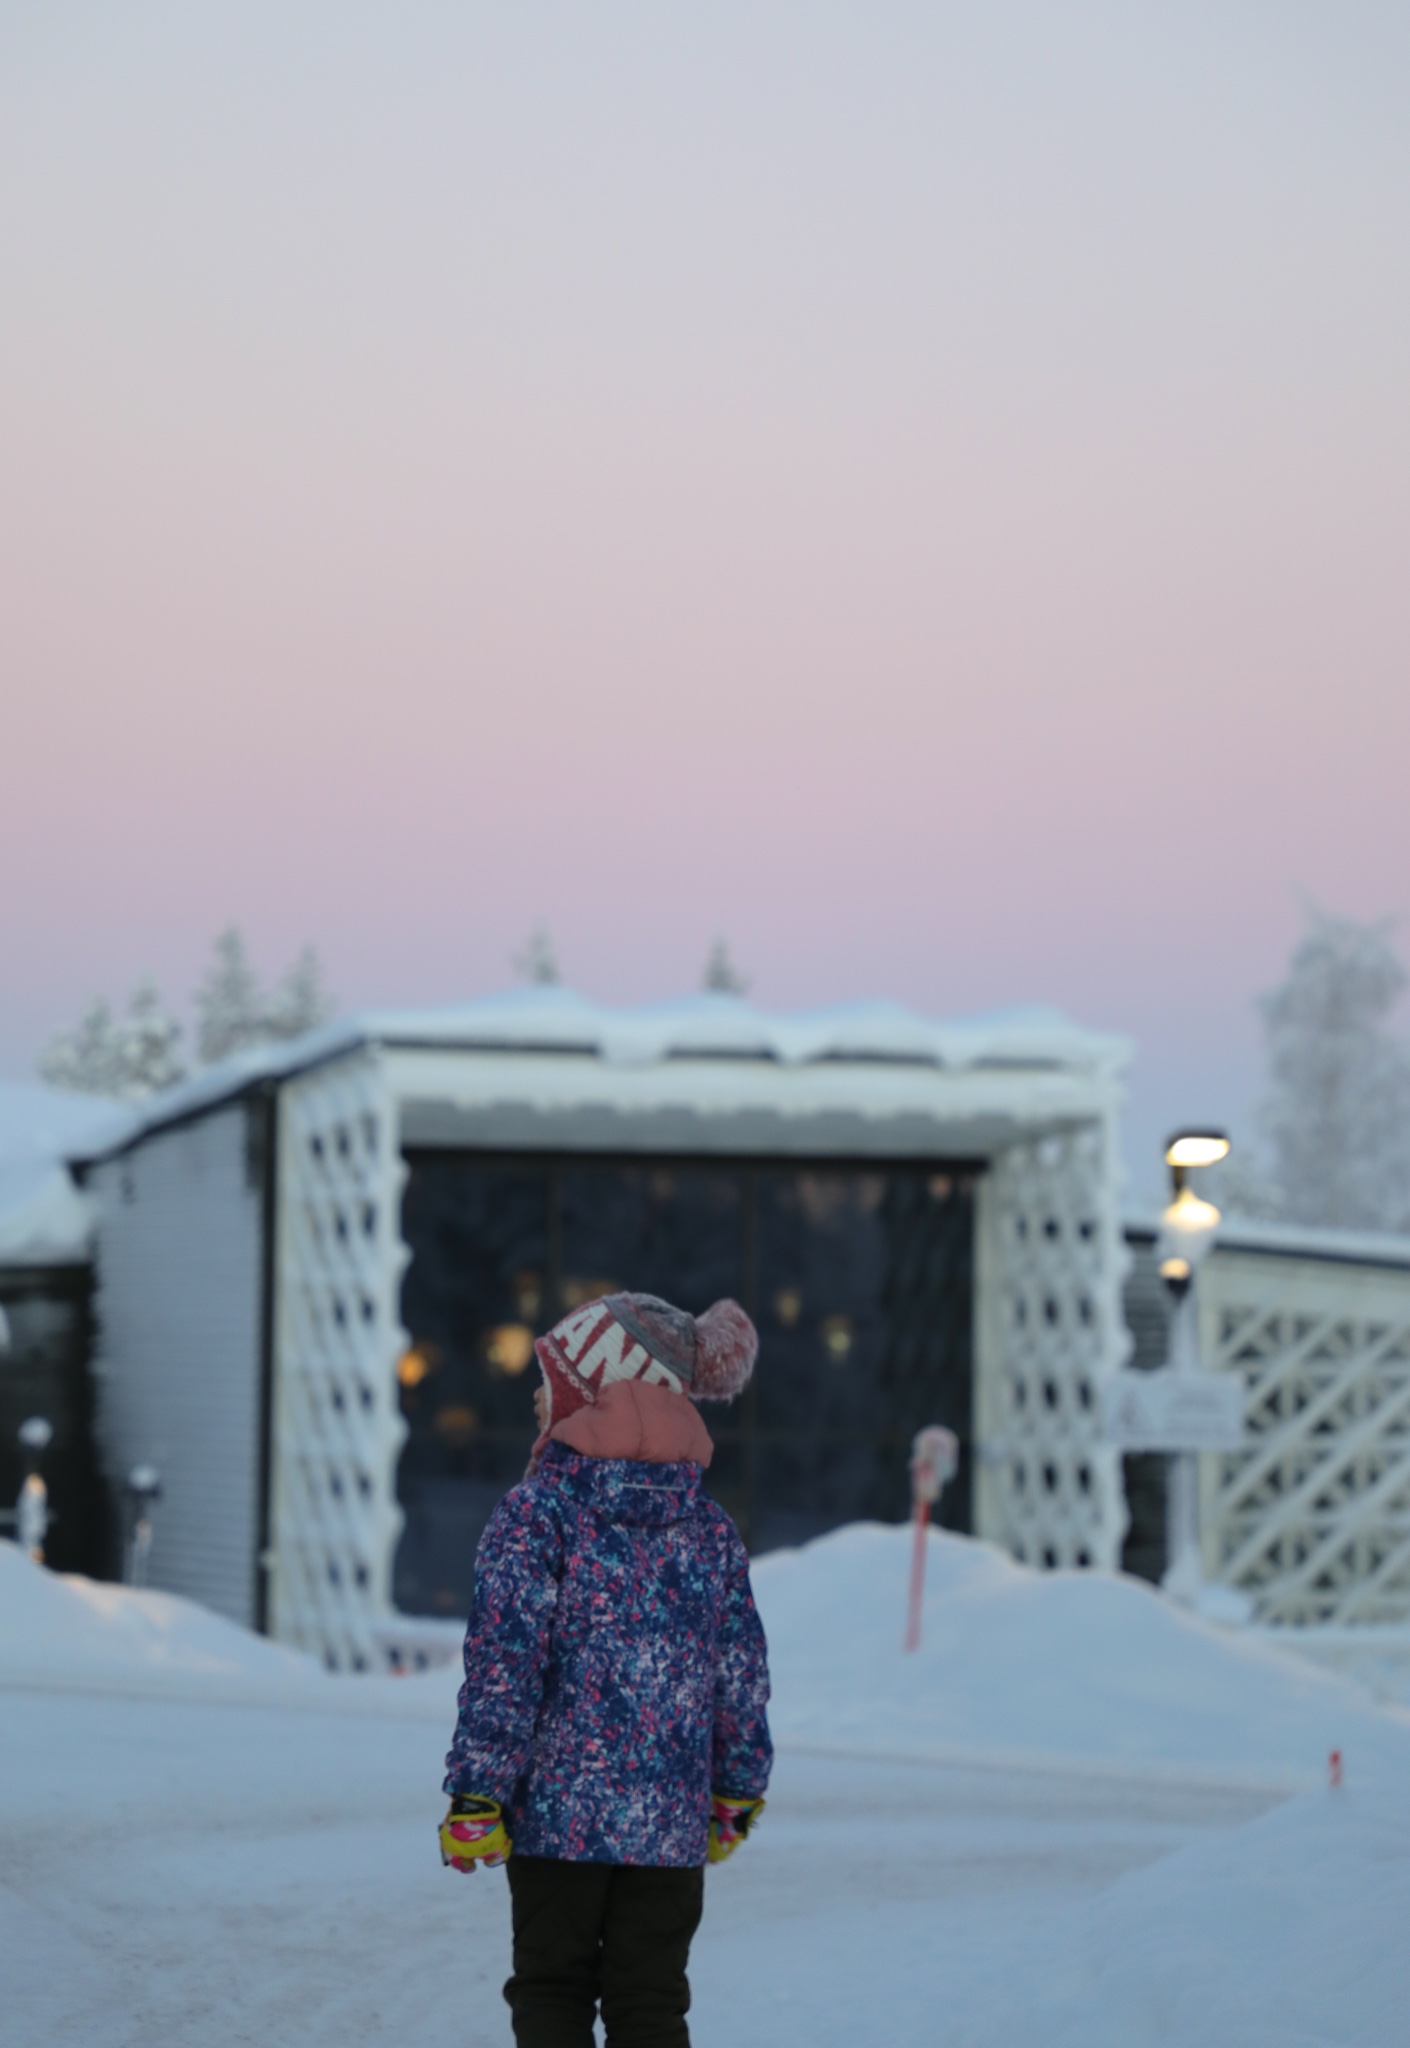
639,1420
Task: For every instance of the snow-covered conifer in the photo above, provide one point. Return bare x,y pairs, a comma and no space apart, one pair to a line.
721,974
301,1001
230,1004
233,1009
538,962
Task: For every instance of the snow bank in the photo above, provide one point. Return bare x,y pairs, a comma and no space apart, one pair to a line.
65,1630
1288,1931
1080,1665
991,1905
43,1218
1080,1669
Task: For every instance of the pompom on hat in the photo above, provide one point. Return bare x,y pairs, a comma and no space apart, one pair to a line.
641,1337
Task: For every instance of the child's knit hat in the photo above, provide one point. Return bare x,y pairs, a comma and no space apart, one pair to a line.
641,1337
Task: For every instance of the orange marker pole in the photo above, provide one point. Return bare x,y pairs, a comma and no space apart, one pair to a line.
917,1575
935,1457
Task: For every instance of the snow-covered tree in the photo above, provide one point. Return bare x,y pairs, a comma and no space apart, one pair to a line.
233,1009
123,1057
134,1055
301,1002
538,962
230,1004
151,1042
86,1059
1334,1124
721,974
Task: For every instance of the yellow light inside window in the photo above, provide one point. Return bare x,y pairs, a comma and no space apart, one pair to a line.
456,1425
528,1295
836,1334
574,1292
413,1366
508,1348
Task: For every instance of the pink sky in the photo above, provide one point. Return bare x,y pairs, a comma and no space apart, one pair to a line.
924,496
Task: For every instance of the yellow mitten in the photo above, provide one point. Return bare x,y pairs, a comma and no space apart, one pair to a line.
730,1822
472,1833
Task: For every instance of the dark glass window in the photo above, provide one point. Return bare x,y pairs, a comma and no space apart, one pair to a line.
474,1298
864,1323
45,1371
859,1281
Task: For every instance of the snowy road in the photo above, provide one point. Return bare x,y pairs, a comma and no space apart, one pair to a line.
206,1840
174,1868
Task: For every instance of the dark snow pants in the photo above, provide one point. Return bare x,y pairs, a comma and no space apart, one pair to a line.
617,1934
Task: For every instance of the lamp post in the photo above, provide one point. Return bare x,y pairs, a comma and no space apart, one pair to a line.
142,1488
32,1507
1187,1231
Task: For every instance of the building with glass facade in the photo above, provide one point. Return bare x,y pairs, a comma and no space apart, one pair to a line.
321,1270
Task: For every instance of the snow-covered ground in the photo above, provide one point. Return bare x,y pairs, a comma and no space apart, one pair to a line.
1076,1816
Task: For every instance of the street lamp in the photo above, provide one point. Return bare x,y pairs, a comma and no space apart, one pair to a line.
1188,1227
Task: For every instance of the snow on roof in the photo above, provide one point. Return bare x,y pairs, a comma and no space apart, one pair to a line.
702,1027
44,1221
1296,1240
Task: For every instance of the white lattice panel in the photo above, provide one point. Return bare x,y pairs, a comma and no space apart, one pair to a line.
337,1427
1049,1330
1313,1518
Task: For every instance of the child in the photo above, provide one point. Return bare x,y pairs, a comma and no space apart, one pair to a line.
612,1734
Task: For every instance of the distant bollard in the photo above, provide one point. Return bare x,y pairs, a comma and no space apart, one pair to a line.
935,1459
142,1488
32,1508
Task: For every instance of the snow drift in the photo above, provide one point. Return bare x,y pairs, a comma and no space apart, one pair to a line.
66,1629
1073,1667
1082,1665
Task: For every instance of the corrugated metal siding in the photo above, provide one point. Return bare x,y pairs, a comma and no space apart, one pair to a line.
178,1357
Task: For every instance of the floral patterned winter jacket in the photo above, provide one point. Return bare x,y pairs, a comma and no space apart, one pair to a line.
615,1666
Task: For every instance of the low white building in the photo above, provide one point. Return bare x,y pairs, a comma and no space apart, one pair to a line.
321,1268
46,1281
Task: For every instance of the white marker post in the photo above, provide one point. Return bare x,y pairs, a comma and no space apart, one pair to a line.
935,1459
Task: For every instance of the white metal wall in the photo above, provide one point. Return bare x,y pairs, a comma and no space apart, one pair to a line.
178,1351
1049,1327
337,1424
1312,1520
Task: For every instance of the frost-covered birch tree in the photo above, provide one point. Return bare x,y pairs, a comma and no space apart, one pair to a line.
1333,1142
122,1057
130,1056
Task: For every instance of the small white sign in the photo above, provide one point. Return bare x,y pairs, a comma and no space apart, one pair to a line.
1174,1411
